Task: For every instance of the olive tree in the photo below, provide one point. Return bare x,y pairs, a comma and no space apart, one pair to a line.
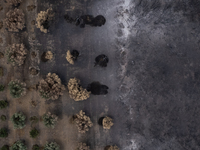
17,88
18,120
51,146
18,145
50,120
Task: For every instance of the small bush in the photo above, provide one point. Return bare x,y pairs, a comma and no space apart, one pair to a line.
35,147
82,146
5,147
52,146
17,88
2,87
83,122
110,147
107,122
34,133
19,145
3,104
44,20
3,118
13,2
50,120
18,120
3,132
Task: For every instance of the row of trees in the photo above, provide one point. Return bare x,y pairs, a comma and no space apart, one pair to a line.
51,88
20,145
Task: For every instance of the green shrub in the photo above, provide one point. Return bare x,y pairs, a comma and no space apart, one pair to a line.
34,133
18,120
3,132
19,145
52,146
35,147
2,87
3,118
17,88
50,120
5,147
3,104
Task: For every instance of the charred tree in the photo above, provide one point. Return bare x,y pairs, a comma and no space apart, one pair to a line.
97,88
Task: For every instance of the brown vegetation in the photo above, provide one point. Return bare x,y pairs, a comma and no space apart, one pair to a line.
16,54
15,20
70,57
14,2
1,72
31,7
43,20
51,87
1,24
1,55
111,147
107,122
82,146
48,55
33,71
76,92
1,8
83,122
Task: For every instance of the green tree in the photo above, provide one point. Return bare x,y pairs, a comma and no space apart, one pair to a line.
34,133
3,132
3,118
35,147
17,88
52,146
3,104
5,147
18,120
19,145
50,120
2,87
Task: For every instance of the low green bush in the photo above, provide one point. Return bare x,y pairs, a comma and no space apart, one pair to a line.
3,104
34,133
35,147
5,147
2,87
3,132
18,120
52,146
3,118
19,145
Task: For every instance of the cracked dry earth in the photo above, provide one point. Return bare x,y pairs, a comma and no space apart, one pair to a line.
153,73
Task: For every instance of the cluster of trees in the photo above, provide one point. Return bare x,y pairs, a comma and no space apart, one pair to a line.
50,87
21,145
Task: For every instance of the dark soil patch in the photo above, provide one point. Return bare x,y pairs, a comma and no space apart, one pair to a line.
31,7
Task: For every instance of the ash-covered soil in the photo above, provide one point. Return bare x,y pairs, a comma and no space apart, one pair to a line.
153,73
